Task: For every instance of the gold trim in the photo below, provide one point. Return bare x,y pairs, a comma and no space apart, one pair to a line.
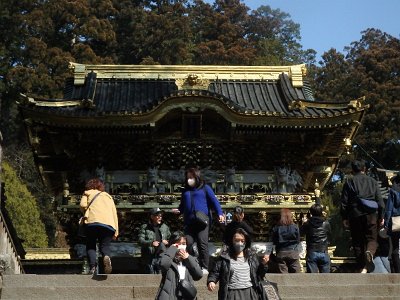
174,72
353,104
192,82
186,102
26,100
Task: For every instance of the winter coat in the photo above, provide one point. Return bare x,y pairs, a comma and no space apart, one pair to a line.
285,237
392,208
362,186
170,274
203,199
101,211
147,236
317,231
221,272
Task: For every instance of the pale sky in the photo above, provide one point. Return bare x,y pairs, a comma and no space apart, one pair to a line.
326,24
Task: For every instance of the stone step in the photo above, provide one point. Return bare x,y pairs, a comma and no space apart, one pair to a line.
81,280
349,290
308,292
147,292
66,293
344,298
333,278
153,280
135,286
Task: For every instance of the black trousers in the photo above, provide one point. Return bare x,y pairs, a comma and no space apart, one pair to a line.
96,234
201,238
364,235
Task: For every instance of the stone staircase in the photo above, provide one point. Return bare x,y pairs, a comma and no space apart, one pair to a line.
144,287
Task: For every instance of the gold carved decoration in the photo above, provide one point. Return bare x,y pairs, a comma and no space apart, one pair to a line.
88,103
357,103
347,145
296,104
192,81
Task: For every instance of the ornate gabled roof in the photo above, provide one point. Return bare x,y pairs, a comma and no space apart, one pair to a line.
241,93
250,112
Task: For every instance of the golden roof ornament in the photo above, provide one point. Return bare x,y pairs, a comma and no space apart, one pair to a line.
192,81
296,104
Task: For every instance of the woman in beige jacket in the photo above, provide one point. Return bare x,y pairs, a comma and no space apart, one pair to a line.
102,223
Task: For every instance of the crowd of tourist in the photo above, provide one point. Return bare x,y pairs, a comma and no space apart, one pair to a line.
183,256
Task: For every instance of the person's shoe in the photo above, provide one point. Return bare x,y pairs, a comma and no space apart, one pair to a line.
370,266
107,264
205,271
364,271
92,271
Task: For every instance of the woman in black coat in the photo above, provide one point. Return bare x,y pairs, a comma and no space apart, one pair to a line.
239,271
176,265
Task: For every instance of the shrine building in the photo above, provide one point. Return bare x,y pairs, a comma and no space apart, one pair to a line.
258,135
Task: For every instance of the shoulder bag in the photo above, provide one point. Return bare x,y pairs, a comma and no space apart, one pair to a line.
82,220
368,205
200,219
187,289
395,223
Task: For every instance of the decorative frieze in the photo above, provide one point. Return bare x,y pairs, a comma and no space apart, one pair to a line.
185,72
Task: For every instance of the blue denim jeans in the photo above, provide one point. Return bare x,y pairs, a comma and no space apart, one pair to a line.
318,262
382,265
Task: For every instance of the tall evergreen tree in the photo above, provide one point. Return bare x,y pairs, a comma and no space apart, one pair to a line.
276,36
371,69
221,33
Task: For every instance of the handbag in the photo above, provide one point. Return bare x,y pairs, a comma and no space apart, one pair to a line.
396,224
82,226
271,290
187,289
200,219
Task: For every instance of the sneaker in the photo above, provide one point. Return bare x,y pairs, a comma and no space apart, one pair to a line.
92,271
205,271
369,265
107,264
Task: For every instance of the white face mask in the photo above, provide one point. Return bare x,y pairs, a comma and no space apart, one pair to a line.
191,182
182,247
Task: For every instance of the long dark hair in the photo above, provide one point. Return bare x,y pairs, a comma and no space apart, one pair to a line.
195,172
247,244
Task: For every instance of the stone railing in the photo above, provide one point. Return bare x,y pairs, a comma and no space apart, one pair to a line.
10,262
